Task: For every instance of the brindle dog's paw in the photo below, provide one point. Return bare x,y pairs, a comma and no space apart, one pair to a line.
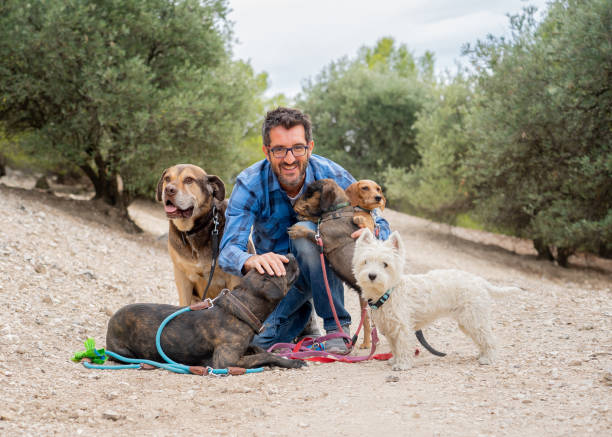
300,363
292,364
297,231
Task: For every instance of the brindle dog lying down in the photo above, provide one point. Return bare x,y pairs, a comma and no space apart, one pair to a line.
326,200
219,336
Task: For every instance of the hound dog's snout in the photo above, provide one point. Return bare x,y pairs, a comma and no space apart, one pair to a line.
378,198
170,190
372,276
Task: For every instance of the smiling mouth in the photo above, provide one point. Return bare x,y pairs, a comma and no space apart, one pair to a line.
172,211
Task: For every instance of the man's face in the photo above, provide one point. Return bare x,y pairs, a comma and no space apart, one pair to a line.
290,170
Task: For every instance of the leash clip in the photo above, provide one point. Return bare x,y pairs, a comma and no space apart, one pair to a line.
215,220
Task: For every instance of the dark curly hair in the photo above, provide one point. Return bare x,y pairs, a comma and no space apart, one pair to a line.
287,118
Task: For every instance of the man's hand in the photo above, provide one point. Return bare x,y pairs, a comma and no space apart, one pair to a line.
357,233
270,263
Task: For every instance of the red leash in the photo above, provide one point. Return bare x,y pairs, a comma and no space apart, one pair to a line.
329,295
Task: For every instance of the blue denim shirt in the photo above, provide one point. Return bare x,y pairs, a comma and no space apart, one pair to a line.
259,203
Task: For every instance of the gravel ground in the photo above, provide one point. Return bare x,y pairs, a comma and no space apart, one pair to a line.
66,266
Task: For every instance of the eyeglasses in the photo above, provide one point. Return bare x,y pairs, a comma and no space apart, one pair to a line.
280,152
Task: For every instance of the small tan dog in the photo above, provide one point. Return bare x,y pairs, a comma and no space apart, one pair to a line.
366,195
195,206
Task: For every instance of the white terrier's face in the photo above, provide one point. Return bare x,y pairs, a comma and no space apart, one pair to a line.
378,265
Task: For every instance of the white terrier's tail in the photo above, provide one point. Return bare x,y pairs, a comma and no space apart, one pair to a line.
497,291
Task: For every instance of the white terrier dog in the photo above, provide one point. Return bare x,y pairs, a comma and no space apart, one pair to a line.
413,301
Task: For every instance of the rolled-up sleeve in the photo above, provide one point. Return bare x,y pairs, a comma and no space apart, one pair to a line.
239,218
383,225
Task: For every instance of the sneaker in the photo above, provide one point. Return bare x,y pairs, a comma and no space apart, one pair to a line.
337,345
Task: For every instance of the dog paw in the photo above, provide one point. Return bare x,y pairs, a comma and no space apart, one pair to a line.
299,364
484,360
365,346
296,232
359,221
401,366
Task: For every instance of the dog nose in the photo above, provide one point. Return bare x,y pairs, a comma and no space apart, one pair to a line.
372,276
378,198
170,190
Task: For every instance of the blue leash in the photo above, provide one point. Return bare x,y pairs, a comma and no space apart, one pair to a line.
170,365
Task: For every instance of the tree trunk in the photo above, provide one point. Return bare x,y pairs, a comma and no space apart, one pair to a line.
543,250
563,253
109,191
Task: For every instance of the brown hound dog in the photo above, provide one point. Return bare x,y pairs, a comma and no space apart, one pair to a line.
365,195
324,202
195,206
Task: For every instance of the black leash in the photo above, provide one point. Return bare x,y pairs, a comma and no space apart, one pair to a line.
214,235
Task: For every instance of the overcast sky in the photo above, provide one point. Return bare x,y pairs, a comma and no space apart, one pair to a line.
292,40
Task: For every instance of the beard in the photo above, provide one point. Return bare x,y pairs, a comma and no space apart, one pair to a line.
290,181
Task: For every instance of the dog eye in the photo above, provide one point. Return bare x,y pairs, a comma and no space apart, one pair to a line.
167,179
188,180
385,265
366,188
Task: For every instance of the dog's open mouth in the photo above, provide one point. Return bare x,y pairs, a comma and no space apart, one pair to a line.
172,211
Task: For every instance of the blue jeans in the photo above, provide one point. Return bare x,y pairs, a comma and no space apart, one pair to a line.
292,313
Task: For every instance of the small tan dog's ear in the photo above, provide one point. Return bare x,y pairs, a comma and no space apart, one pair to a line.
384,199
218,187
352,192
160,185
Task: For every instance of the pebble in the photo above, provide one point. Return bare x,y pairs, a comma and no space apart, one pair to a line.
392,378
112,415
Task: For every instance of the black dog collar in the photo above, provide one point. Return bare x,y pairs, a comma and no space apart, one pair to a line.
380,301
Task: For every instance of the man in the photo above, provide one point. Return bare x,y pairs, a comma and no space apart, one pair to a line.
262,200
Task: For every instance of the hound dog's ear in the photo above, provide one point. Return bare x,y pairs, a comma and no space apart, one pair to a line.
353,193
329,194
160,185
218,187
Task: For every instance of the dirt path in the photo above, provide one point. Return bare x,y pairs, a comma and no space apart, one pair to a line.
64,269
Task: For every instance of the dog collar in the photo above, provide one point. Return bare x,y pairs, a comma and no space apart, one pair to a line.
380,301
203,222
361,208
338,206
234,306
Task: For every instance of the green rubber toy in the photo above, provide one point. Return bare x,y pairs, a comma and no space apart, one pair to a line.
97,356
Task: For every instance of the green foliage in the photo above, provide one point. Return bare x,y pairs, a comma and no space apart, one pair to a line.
124,87
363,110
435,187
540,164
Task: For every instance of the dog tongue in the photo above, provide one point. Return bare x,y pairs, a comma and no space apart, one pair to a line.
170,208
